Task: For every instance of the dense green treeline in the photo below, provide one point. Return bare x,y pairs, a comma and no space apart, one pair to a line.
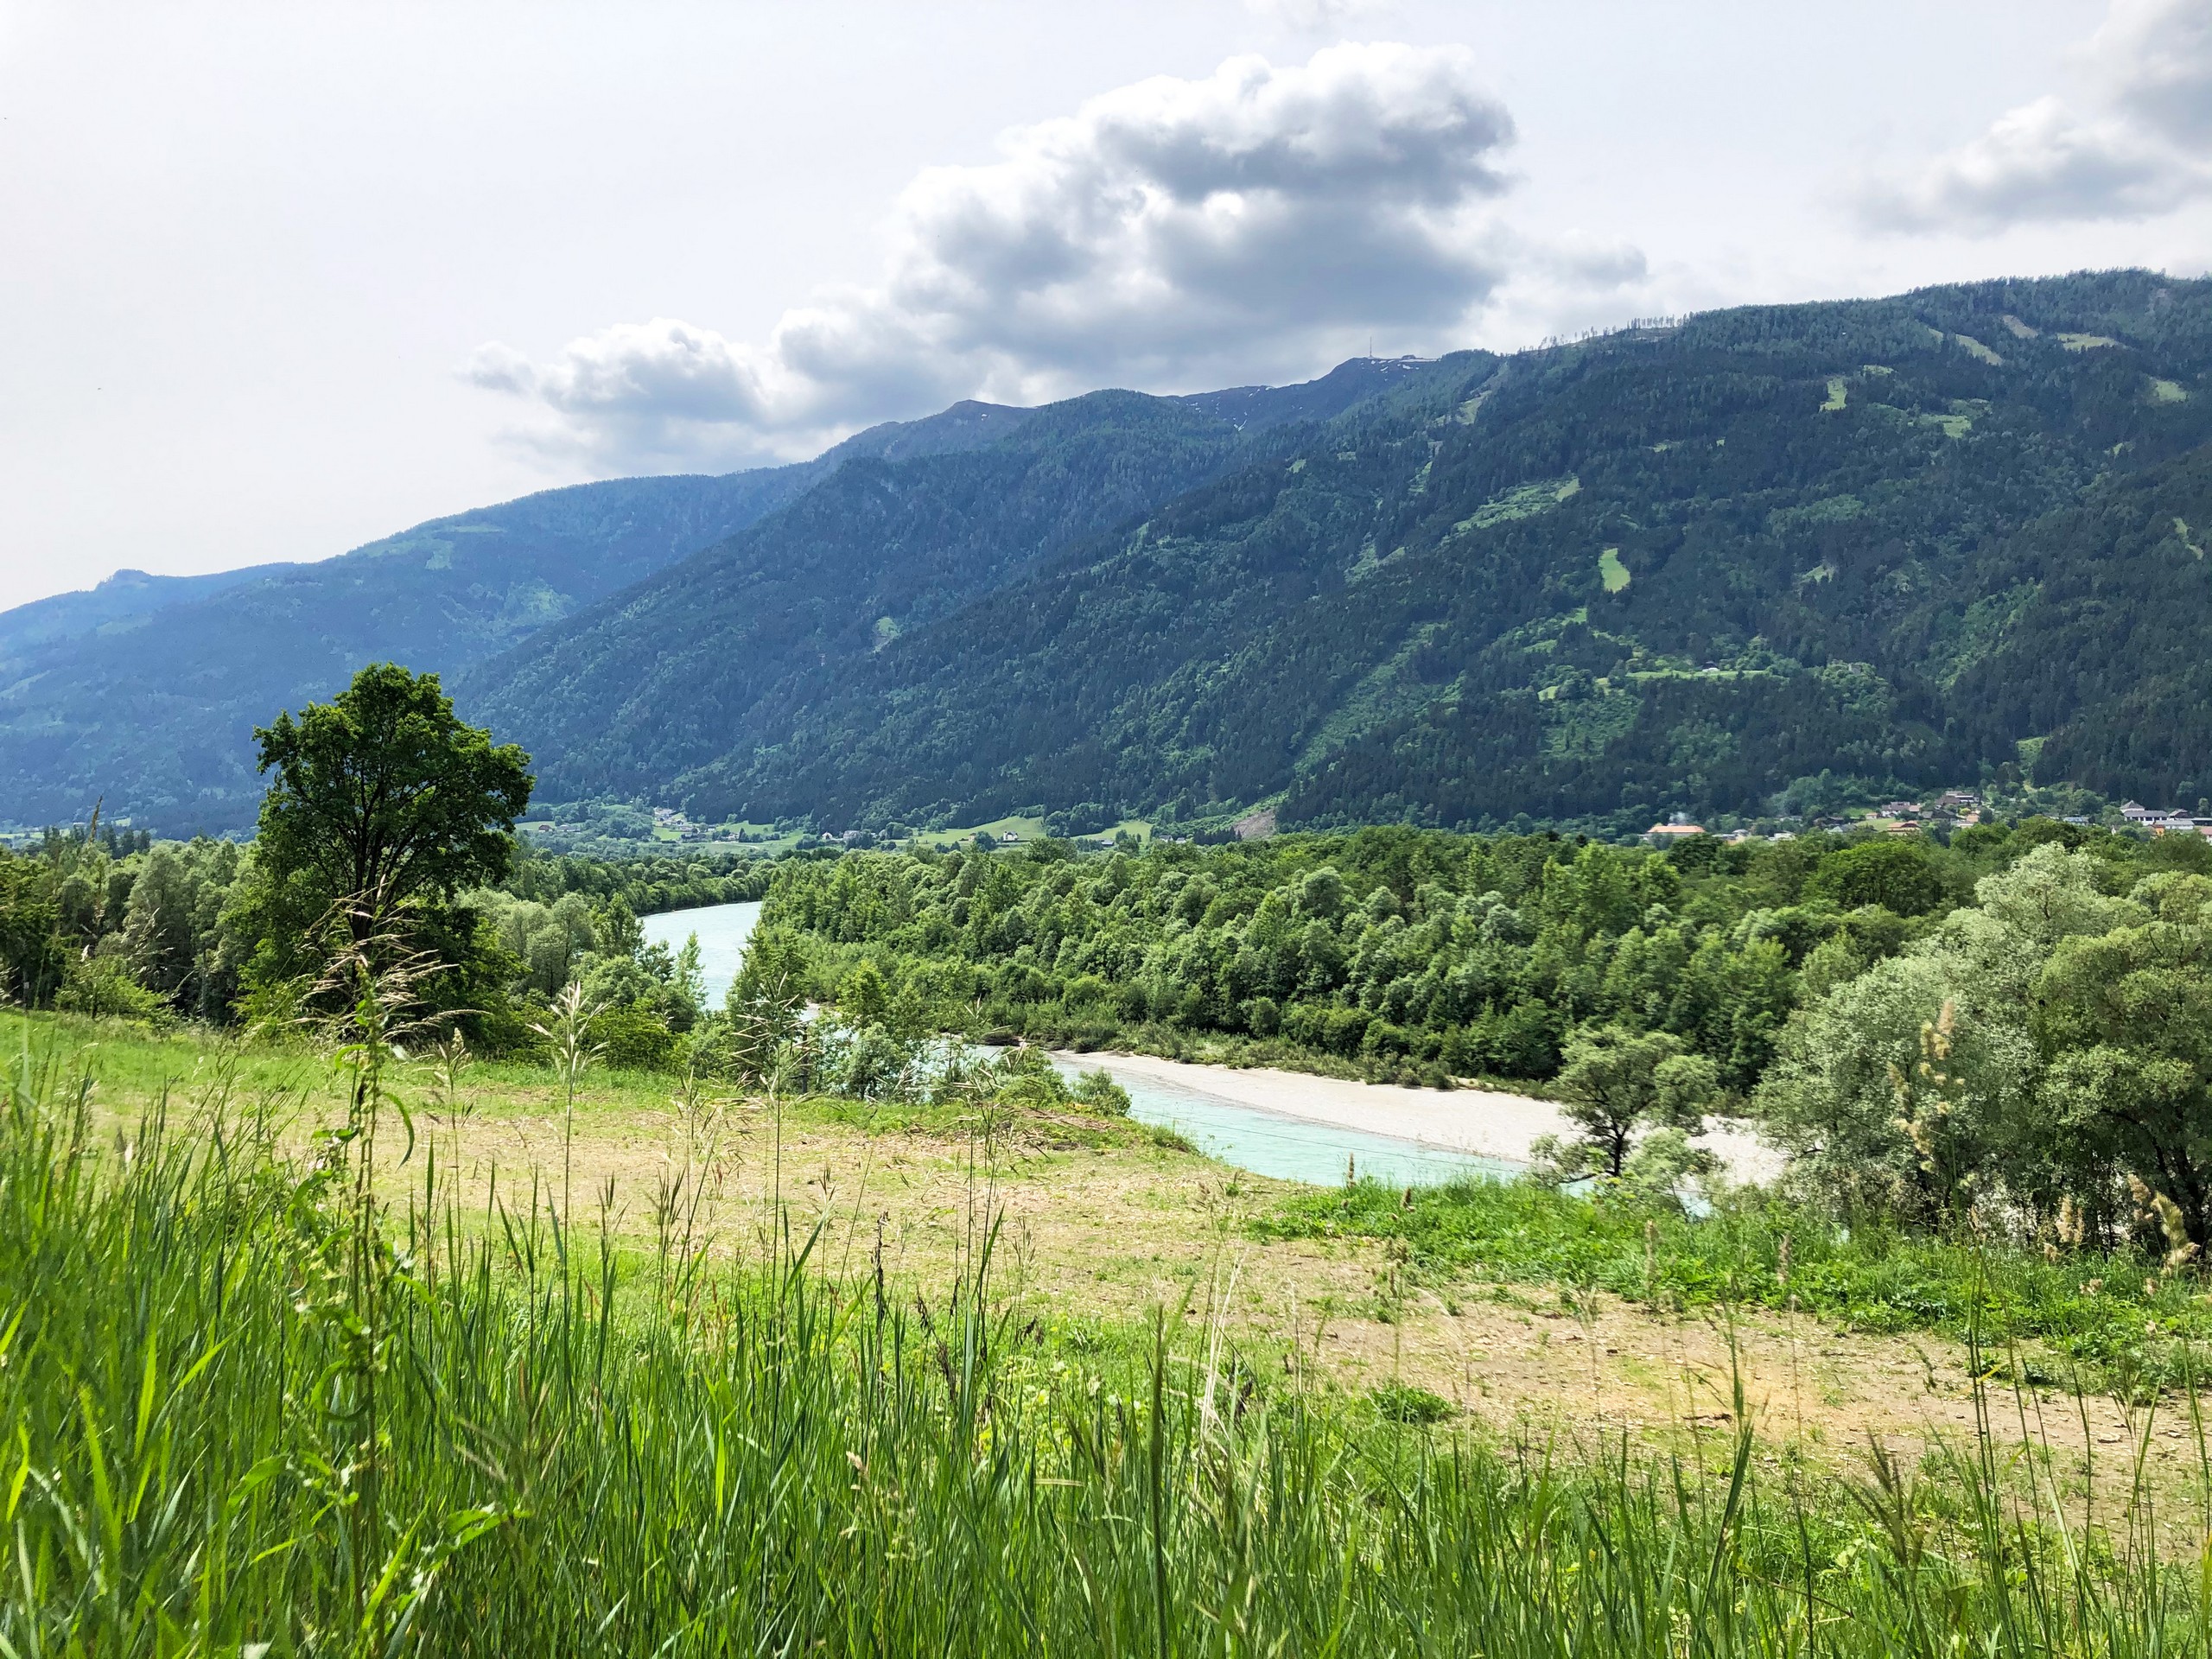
193,929
386,856
1409,949
648,885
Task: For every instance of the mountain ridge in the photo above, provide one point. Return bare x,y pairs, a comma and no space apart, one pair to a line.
741,635
144,691
1689,566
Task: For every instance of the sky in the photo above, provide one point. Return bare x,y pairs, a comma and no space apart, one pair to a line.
278,280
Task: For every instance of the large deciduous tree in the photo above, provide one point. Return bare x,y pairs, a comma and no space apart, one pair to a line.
2126,1019
2045,1047
385,803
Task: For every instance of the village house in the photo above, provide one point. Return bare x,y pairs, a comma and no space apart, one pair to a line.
1677,826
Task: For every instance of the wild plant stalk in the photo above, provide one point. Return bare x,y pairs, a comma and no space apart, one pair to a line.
679,1202
379,981
568,1031
450,1061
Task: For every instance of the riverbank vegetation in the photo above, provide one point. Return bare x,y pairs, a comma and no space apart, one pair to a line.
2013,1031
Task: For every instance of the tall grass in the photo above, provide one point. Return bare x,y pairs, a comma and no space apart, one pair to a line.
571,1451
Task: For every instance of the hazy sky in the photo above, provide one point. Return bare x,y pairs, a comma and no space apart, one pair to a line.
277,280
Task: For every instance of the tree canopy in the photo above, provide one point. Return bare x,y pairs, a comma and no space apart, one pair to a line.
383,797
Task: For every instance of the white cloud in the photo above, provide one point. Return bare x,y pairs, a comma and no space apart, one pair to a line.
1172,231
637,377
2141,146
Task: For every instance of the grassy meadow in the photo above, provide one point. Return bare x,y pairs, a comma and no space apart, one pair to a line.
305,1355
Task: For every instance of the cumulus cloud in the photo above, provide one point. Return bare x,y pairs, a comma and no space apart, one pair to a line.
1173,231
634,377
2139,144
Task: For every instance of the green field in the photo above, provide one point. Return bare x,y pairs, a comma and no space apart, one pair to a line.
1029,829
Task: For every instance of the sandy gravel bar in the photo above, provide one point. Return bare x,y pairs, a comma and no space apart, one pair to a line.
1486,1122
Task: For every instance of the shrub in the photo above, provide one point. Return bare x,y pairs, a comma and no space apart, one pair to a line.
634,1040
1401,1403
1096,1091
102,986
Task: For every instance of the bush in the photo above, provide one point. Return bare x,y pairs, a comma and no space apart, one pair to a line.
1096,1091
1401,1403
634,1040
1382,1040
1342,1030
873,1064
102,986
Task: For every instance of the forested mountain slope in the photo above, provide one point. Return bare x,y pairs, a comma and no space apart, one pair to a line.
730,647
145,690
156,712
1893,539
125,600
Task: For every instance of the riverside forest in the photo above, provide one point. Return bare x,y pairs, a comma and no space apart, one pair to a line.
403,1254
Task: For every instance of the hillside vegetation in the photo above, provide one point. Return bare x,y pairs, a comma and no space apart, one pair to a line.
733,646
154,711
144,691
1892,540
1903,542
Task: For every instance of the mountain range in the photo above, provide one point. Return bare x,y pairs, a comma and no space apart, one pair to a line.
1897,542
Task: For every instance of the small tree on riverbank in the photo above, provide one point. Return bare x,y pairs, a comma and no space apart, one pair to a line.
1618,1086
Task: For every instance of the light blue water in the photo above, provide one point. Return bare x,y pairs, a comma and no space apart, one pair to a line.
722,930
1267,1143
1288,1149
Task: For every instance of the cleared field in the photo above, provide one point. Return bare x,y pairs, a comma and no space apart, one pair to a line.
1103,1225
